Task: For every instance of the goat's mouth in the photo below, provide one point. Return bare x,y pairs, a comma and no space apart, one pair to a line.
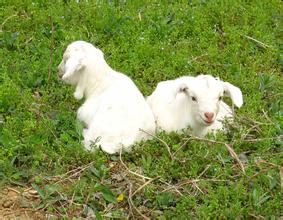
207,122
60,71
61,74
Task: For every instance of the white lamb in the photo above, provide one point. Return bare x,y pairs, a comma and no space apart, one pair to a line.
194,102
114,110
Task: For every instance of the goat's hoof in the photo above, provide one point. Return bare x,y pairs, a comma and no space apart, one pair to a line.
78,95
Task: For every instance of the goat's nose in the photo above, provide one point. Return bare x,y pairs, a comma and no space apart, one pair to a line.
209,116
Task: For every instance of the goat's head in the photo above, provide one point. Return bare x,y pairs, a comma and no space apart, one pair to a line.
205,94
75,59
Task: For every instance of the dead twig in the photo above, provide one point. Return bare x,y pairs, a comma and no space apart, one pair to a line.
266,116
184,144
171,187
162,141
72,199
28,40
229,148
196,58
131,213
257,217
268,163
142,186
263,139
14,190
186,182
255,128
28,189
40,114
133,205
235,156
51,49
270,166
72,173
281,177
261,44
130,171
21,210
203,172
197,187
62,205
5,21
258,173
274,95
247,119
145,177
194,181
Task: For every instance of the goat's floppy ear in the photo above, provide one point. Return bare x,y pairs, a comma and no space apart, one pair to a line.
73,64
234,93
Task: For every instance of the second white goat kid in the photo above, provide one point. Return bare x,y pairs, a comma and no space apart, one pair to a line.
194,102
114,110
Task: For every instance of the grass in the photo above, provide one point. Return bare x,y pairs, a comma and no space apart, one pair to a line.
42,160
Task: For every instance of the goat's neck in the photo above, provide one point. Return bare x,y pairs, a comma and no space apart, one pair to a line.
95,78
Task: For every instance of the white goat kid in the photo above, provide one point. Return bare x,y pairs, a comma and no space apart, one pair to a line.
114,110
194,102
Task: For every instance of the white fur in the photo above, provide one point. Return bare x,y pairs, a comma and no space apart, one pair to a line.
114,110
174,108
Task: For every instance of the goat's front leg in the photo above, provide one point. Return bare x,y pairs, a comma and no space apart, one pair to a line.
79,93
88,141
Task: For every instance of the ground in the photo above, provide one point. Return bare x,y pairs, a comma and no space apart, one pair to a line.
46,174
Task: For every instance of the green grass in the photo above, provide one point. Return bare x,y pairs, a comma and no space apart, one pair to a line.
150,41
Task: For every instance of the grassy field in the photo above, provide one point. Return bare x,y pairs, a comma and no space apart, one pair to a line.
44,170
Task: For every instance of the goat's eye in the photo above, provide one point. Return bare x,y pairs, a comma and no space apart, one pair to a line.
220,98
194,98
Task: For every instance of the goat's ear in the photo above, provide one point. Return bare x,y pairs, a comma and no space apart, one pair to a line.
74,64
183,88
234,93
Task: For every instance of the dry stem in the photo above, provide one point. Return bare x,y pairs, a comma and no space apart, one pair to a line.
132,172
133,205
142,186
4,22
261,44
51,49
229,148
162,141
